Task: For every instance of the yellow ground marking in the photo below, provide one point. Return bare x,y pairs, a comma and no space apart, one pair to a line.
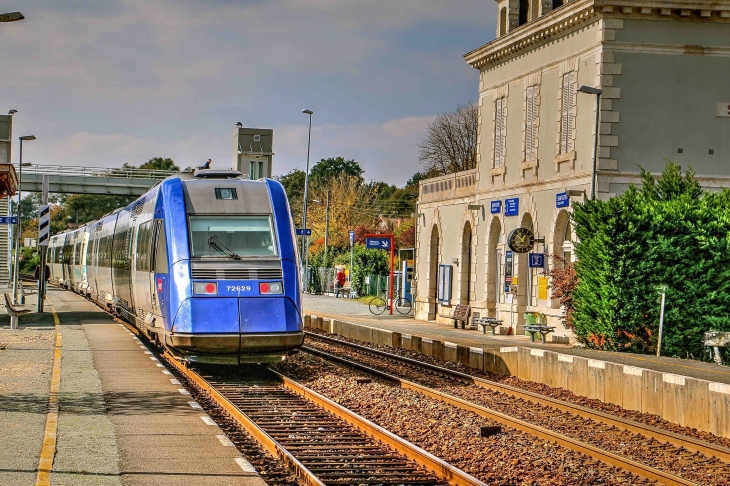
48,451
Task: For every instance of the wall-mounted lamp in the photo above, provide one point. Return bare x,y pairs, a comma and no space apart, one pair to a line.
575,193
475,206
455,261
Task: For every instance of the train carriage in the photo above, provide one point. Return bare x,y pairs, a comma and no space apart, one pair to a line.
206,265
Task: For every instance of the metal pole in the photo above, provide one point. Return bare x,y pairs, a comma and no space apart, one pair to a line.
352,249
392,262
661,324
43,250
17,228
327,223
595,148
304,209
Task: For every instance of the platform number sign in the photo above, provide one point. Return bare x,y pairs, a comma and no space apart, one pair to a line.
536,260
44,225
352,238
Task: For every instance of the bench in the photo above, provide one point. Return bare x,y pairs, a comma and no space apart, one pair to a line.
461,313
346,291
485,322
12,310
538,328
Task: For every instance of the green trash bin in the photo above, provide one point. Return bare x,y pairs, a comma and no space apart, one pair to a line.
530,318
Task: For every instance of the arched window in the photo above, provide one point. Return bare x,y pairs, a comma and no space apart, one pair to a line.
557,3
503,21
524,9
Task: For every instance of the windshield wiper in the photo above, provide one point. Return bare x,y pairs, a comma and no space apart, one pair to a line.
216,243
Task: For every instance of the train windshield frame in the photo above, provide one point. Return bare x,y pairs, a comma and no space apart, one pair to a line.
236,237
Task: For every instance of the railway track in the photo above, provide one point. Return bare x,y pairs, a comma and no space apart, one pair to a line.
324,443
698,462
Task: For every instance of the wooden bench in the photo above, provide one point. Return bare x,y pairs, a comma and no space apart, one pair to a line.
346,291
12,310
461,313
485,322
542,329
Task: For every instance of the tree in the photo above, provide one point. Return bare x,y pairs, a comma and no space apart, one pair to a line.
450,144
293,183
159,163
668,232
327,169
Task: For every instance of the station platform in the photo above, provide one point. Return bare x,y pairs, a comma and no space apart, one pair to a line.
83,402
358,313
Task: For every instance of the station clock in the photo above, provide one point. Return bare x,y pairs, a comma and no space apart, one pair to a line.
521,240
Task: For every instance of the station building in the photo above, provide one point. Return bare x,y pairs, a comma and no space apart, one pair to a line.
663,67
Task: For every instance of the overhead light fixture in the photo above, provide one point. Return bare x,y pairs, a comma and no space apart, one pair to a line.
475,206
575,192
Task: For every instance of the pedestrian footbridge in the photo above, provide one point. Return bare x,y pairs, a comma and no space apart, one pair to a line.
91,180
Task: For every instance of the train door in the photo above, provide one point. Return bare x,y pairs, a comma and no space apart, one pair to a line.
141,278
121,265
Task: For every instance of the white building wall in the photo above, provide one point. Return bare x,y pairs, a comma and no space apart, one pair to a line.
662,75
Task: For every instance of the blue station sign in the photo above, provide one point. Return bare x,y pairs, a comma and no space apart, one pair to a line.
304,232
378,243
352,237
512,206
536,260
562,200
8,220
495,207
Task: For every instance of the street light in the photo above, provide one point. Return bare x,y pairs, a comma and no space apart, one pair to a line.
305,238
598,92
11,17
17,226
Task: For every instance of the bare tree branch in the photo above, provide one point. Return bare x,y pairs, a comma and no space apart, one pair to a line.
450,143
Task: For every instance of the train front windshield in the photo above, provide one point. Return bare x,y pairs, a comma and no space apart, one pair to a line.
231,236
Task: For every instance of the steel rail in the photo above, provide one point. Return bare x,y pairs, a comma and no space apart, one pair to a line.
606,457
271,445
441,468
678,440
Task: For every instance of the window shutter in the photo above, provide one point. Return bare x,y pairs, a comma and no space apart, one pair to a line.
504,132
499,133
530,128
570,112
564,115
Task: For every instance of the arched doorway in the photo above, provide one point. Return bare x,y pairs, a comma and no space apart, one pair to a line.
493,264
465,287
524,282
433,273
523,12
562,245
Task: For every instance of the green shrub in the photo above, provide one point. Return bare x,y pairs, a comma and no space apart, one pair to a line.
666,232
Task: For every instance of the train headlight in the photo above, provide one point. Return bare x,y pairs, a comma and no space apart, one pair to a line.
205,288
271,288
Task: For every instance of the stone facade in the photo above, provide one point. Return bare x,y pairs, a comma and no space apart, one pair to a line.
662,66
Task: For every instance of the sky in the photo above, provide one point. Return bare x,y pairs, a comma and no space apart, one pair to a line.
101,83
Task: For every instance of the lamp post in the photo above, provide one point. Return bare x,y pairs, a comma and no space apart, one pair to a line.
17,226
305,238
598,92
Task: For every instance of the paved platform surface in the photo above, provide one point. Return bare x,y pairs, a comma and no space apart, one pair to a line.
357,312
121,418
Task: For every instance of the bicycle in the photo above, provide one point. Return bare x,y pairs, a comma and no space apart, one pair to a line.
379,304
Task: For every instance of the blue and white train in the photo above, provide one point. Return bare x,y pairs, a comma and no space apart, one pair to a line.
204,264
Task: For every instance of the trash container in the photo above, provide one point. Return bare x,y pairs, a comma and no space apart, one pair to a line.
530,318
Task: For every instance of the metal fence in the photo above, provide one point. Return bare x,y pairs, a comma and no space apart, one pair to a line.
123,172
322,281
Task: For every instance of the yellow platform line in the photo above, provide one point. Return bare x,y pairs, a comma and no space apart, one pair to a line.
45,464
